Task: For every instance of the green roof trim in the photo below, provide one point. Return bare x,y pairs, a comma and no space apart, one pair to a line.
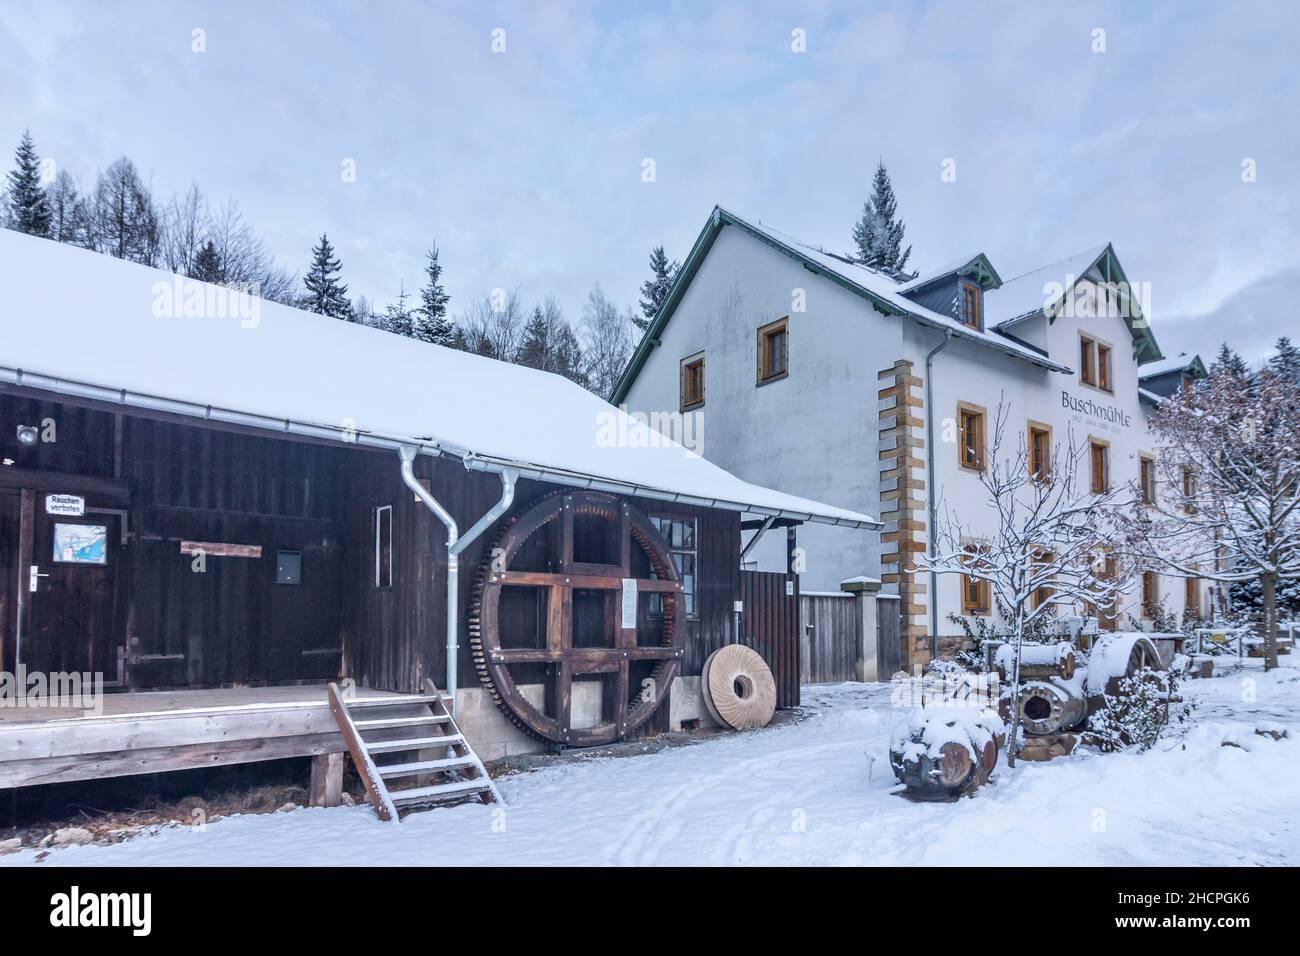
978,267
1145,347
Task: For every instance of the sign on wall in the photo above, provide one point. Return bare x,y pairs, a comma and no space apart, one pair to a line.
65,506
80,543
629,603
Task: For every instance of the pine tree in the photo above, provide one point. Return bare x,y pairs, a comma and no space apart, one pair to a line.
29,209
1286,363
567,357
207,264
325,294
69,218
431,322
655,289
878,235
535,351
1229,362
399,318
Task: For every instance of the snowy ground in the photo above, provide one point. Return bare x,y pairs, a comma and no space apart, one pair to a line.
810,794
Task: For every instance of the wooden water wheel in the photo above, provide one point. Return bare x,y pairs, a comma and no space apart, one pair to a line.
547,610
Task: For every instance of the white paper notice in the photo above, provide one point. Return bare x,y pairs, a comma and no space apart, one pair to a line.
629,603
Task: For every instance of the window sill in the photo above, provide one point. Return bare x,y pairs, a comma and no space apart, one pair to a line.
692,406
772,378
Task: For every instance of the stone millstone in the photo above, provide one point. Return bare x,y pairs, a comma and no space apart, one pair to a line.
739,691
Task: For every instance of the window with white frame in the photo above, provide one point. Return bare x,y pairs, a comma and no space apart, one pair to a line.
680,534
384,546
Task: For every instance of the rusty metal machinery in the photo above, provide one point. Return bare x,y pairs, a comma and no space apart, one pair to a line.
1049,708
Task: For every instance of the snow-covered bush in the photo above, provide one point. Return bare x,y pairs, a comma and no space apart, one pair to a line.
981,631
1143,705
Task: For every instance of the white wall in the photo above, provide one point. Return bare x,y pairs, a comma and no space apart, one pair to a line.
815,433
966,372
812,433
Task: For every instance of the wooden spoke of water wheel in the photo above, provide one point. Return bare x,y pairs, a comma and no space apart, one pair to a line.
621,648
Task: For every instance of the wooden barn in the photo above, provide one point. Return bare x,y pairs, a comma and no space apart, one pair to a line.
217,506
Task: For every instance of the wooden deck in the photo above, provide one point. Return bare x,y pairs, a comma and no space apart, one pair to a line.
153,732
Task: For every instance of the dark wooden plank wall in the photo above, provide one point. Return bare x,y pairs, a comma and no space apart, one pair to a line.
233,624
230,623
396,637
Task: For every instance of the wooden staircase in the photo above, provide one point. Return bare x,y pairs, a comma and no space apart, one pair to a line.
406,728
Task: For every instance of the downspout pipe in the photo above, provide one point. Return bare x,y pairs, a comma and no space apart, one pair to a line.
931,497
455,545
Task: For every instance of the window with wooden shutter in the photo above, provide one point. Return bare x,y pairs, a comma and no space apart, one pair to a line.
1147,479
970,436
692,385
1103,367
1150,594
1040,451
1087,361
774,351
976,593
970,313
1099,453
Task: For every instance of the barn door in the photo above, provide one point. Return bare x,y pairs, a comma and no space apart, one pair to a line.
770,625
74,622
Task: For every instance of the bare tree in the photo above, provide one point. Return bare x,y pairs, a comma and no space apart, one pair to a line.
245,260
124,222
494,325
608,341
1053,543
185,222
1227,507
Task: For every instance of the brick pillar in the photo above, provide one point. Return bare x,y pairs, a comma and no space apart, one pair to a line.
902,502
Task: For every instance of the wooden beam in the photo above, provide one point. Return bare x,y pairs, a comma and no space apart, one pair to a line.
529,655
62,482
589,582
327,780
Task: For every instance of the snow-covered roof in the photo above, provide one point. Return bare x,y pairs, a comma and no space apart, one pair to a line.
83,324
1176,363
957,265
1024,295
881,287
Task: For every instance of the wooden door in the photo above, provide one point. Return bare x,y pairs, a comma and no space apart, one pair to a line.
75,620
9,563
770,625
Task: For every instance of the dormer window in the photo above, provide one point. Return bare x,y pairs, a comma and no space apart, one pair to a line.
970,305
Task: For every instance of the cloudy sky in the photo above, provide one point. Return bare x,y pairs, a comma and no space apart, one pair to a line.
525,166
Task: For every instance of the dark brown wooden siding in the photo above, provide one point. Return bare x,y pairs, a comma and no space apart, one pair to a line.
232,623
